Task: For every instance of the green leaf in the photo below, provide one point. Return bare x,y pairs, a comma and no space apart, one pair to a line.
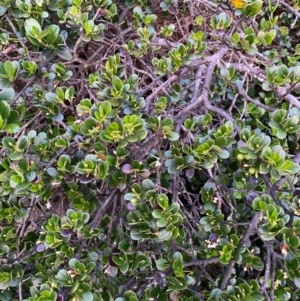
52,172
3,10
293,241
64,278
87,296
15,180
162,264
9,143
147,185
177,266
11,69
65,54
281,134
173,136
4,109
124,267
32,27
162,222
7,94
164,235
22,143
12,128
157,213
223,154
253,8
30,176
117,83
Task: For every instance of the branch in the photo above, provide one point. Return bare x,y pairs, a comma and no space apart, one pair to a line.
214,60
34,79
282,92
202,262
269,246
156,91
198,80
290,8
163,43
222,113
273,275
244,94
100,213
253,224
16,33
32,203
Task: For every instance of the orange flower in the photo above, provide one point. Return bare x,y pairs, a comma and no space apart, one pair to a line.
238,3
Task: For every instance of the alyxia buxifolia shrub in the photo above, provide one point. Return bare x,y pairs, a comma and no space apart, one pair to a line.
150,150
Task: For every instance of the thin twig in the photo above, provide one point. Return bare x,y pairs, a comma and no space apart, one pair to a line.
253,224
214,60
269,246
20,291
157,90
288,97
15,32
79,40
244,94
22,91
273,275
197,84
290,8
222,113
99,215
20,132
202,262
32,202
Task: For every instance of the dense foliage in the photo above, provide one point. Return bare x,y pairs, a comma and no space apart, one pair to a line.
149,150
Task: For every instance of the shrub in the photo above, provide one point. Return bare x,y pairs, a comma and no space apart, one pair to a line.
150,150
